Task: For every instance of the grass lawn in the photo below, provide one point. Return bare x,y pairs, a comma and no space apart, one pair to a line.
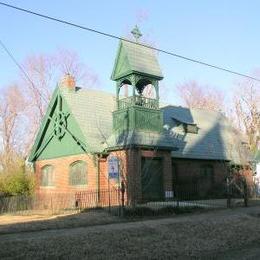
208,235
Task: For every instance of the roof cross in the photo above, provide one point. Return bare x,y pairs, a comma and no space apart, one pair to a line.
136,33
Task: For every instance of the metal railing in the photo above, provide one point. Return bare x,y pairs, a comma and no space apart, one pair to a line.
138,101
55,203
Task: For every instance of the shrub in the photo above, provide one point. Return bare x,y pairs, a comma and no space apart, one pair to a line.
183,210
167,210
16,184
138,212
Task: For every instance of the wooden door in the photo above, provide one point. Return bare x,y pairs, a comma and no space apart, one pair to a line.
152,179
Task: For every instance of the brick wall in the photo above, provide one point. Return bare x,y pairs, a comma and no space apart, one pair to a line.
111,186
189,168
134,177
190,181
61,174
130,170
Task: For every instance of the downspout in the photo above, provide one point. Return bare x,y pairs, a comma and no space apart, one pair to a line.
98,179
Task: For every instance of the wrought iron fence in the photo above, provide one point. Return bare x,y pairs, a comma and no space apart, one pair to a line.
54,203
184,197
37,204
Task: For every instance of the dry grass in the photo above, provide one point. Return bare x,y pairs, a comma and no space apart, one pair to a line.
205,235
17,223
8,219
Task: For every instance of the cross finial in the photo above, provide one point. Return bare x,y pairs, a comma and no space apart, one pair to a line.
136,33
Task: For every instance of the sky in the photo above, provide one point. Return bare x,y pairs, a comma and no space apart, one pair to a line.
223,33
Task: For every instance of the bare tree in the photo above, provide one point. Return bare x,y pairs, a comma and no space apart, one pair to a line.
195,95
69,62
23,105
12,124
40,70
44,72
246,111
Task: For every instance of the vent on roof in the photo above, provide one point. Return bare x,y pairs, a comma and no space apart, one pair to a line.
191,128
187,127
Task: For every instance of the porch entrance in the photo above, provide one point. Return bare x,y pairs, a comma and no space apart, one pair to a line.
152,179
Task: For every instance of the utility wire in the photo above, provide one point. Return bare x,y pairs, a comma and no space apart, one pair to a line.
126,40
38,91
16,62
20,67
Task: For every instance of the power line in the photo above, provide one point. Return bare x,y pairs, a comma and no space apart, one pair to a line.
120,38
16,62
20,67
38,91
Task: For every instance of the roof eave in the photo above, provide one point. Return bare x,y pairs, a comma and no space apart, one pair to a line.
129,72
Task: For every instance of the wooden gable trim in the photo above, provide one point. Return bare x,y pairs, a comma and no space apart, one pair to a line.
44,124
39,146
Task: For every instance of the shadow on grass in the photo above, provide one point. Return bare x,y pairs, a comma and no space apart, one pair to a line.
84,218
94,217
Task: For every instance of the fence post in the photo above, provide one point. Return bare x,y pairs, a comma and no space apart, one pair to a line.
123,196
51,205
176,196
109,198
228,194
245,193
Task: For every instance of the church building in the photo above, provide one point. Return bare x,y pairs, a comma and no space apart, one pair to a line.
155,147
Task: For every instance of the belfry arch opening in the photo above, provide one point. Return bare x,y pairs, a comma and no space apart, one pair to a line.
141,85
149,91
125,89
143,92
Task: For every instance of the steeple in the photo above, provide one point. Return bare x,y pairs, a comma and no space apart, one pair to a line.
136,66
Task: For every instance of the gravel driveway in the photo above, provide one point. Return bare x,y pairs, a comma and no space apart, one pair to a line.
225,234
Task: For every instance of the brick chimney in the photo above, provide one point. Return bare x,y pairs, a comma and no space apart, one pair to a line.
68,82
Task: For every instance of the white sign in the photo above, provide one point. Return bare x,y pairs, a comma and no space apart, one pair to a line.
113,171
169,194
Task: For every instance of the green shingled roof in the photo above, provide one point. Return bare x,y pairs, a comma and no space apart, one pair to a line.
135,138
93,111
135,58
216,139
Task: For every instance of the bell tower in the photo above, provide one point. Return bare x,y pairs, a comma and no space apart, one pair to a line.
136,67
138,122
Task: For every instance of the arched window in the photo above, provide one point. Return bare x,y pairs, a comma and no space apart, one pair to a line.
47,175
78,173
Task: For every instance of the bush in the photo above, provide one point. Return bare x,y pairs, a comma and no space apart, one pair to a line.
183,210
16,184
168,210
138,212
